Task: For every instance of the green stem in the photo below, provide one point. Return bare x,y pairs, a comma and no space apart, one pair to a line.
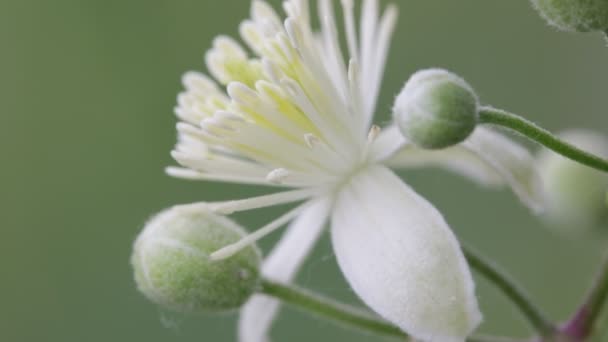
330,309
485,338
321,306
488,115
513,291
581,324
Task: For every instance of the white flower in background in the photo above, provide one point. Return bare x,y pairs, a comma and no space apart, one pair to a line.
298,114
575,195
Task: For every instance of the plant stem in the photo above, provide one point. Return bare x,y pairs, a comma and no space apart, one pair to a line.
328,308
513,291
580,326
321,306
489,115
485,338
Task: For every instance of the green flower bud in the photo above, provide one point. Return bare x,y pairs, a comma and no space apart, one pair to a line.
172,266
575,15
436,109
575,195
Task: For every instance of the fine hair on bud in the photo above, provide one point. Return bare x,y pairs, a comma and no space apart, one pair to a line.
574,15
173,269
436,109
575,195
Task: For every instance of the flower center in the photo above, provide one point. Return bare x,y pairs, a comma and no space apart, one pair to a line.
295,110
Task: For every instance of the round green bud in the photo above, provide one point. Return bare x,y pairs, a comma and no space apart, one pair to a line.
575,195
173,269
575,15
436,109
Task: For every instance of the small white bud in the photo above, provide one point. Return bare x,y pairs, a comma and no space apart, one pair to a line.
173,269
574,15
436,109
575,194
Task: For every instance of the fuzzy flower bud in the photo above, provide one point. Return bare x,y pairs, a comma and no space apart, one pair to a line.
575,15
436,109
172,266
575,195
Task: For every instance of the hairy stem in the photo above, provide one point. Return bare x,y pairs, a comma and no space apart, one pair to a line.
343,314
488,115
330,309
513,291
581,325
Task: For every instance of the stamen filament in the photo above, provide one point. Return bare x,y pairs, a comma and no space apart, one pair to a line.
349,26
232,249
229,207
385,31
372,135
180,172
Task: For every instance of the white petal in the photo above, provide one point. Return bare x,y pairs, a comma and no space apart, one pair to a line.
457,159
387,144
282,265
402,259
486,157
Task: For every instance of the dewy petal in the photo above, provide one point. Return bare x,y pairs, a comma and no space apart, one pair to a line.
282,265
402,259
486,157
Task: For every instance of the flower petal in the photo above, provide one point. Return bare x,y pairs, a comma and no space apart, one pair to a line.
282,265
457,159
486,157
401,258
388,143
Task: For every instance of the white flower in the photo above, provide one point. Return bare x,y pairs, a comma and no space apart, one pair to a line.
575,195
297,114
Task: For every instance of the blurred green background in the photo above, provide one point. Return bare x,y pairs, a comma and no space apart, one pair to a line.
87,90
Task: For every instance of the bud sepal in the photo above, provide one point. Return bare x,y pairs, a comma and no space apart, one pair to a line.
574,15
173,269
436,109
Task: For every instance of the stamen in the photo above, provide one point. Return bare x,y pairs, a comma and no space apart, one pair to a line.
216,123
311,140
351,34
198,82
326,128
330,37
378,61
277,176
190,174
368,25
230,207
241,93
330,159
354,87
234,248
294,33
296,86
229,116
187,128
272,71
373,133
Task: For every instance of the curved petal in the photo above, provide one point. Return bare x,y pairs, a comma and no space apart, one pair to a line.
486,157
457,159
388,142
282,265
401,258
